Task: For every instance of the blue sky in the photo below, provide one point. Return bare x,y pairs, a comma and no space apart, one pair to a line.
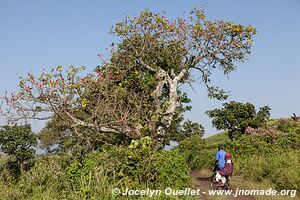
37,34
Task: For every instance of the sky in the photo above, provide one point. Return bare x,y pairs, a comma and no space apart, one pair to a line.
43,34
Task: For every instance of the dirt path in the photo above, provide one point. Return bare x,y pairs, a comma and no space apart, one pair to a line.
201,180
203,185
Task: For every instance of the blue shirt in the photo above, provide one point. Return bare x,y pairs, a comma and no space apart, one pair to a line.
220,157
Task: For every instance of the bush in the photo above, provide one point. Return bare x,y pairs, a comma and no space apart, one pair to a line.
197,154
135,165
46,180
285,125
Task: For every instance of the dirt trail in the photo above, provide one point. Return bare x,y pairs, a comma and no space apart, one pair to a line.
201,181
203,185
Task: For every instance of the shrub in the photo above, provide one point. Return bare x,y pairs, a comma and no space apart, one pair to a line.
285,125
46,179
196,153
135,165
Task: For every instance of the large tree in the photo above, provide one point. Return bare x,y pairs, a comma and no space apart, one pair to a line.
178,51
136,92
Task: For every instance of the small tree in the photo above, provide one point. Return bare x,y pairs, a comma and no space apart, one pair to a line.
189,130
235,117
19,143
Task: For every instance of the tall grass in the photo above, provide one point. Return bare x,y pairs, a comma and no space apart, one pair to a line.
282,169
95,176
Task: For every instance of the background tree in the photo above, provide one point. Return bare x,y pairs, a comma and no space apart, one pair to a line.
192,129
235,117
56,136
187,130
137,91
19,143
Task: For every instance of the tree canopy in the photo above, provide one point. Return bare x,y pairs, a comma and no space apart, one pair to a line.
235,117
136,92
19,143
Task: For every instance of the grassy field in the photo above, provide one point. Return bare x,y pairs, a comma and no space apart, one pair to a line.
217,138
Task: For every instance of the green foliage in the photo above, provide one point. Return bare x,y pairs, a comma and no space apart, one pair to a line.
187,130
55,136
282,169
263,154
266,143
192,129
271,154
18,142
196,153
286,125
235,117
135,164
216,139
171,170
61,176
45,178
